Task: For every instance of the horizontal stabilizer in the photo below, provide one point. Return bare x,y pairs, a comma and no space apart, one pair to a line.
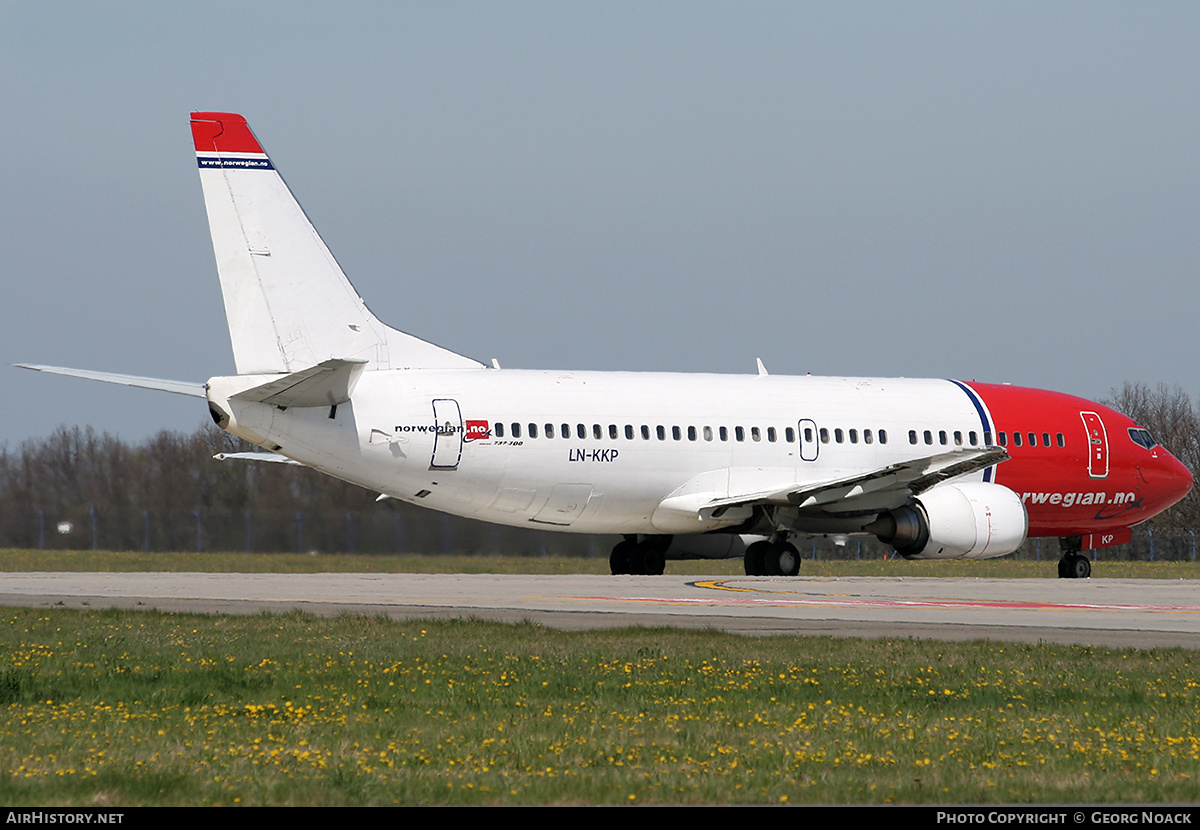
273,457
177,387
327,384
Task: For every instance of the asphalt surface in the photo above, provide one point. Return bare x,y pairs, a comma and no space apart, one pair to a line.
1100,612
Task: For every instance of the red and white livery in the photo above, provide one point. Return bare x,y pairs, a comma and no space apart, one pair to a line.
681,465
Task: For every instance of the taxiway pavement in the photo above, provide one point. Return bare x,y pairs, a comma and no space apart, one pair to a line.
1099,612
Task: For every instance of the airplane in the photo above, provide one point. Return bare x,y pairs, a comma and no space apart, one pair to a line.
678,465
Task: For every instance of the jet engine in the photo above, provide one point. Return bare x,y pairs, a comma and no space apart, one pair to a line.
970,520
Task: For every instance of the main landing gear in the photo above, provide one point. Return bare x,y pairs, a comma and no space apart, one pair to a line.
649,556
778,558
1073,565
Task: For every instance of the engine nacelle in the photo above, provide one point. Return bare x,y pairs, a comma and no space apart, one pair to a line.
970,520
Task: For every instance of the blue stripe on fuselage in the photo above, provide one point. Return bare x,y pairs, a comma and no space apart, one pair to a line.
983,418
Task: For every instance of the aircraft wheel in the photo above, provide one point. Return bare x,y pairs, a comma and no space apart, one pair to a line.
1074,566
755,558
619,559
654,560
787,559
636,560
1081,567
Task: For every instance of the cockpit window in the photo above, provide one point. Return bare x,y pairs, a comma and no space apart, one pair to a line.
1142,438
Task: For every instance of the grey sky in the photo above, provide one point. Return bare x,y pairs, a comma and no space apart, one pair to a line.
1002,191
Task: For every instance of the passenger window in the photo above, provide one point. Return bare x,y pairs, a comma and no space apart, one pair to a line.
645,433
1032,440
724,434
549,431
824,435
612,432
808,435
516,430
942,437
533,430
853,436
739,433
928,437
629,432
987,438
499,429
754,434
1003,439
581,430
838,435
676,433
1016,439
708,433
1061,441
1045,439
661,431
867,438
957,438
596,431
972,438
771,434
691,433
883,436
566,431
912,436
789,435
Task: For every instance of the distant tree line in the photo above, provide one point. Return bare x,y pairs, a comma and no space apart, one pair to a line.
1174,421
78,489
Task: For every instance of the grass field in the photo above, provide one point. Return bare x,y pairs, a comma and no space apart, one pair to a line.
126,708
116,708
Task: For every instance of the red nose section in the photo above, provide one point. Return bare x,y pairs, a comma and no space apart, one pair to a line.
1169,479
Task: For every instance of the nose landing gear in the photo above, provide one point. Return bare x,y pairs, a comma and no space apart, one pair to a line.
1073,565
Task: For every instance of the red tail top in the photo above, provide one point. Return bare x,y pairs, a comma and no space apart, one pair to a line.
223,132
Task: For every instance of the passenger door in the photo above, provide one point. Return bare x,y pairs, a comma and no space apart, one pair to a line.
448,438
1097,444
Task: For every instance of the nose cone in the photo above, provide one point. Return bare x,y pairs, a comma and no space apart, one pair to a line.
1169,479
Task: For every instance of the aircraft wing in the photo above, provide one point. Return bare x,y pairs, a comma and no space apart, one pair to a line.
894,482
914,476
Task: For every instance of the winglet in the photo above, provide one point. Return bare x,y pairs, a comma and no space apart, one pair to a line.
762,370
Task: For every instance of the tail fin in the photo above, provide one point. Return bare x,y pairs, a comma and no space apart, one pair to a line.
288,304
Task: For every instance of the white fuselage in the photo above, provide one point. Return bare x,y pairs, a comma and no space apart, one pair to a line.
635,443
937,469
